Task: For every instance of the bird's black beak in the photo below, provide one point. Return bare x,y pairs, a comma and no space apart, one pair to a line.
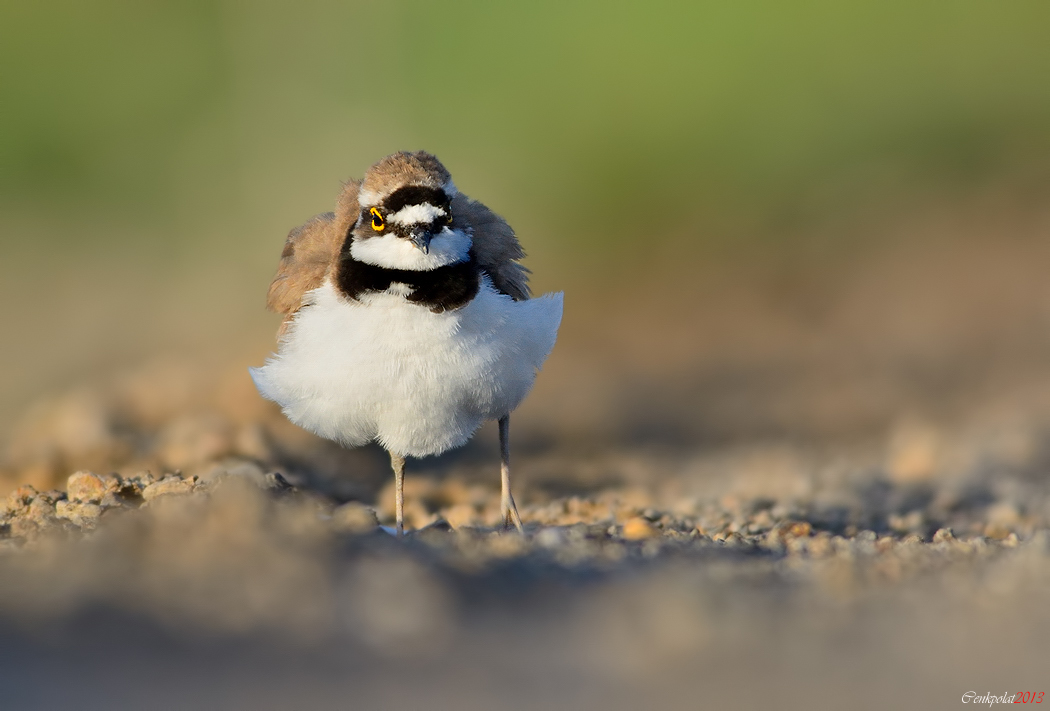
422,239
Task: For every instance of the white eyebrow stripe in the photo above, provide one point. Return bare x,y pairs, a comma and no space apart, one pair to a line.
366,198
416,214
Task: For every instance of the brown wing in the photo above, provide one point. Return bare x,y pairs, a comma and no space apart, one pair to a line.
308,252
495,246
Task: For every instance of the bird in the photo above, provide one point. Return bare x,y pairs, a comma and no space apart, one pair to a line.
408,320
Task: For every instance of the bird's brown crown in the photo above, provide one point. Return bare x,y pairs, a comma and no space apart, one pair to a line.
400,169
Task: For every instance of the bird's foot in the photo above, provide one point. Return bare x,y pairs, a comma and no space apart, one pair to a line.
509,512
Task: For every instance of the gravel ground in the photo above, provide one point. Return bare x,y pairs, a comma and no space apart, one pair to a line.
830,489
168,541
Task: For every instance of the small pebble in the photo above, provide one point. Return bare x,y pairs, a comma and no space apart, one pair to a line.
168,486
40,511
820,545
85,486
21,497
84,515
638,529
798,529
355,517
550,538
996,531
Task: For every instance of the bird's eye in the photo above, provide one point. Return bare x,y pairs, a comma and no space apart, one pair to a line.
448,216
377,220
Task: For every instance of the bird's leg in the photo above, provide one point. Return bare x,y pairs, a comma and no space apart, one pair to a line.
398,464
508,509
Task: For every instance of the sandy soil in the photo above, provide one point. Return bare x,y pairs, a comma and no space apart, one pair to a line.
237,563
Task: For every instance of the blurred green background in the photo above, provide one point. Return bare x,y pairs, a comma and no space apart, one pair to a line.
154,155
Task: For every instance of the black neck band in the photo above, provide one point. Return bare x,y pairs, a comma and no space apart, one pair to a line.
442,289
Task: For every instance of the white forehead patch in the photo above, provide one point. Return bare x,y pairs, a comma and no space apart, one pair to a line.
423,213
393,252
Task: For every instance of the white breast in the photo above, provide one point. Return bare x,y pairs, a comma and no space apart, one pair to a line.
418,382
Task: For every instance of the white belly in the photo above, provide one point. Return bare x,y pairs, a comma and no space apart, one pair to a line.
418,382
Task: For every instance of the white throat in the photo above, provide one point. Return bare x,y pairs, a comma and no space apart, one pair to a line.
390,251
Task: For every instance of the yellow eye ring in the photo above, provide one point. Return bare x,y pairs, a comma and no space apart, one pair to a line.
377,220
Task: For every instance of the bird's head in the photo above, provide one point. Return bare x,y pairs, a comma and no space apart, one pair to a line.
406,219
